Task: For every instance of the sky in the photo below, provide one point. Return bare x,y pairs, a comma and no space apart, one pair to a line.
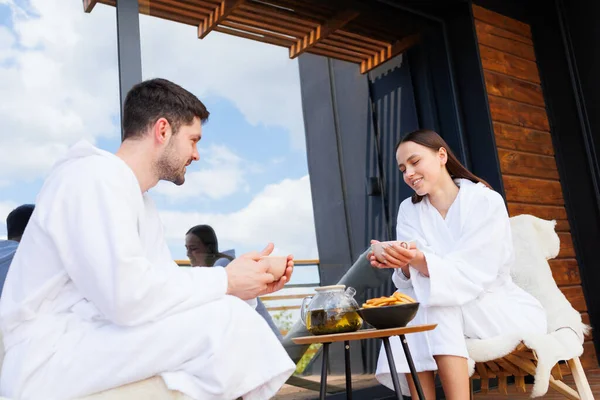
59,80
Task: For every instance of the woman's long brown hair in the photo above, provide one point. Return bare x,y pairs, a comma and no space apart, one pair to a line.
432,140
208,237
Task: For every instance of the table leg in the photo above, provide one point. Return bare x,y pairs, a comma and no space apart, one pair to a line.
348,371
411,365
323,392
393,373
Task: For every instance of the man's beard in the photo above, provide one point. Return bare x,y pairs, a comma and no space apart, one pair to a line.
170,168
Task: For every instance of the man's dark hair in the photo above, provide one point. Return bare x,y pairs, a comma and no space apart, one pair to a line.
150,100
17,220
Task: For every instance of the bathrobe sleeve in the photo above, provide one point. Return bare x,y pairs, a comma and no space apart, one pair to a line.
94,226
472,266
407,230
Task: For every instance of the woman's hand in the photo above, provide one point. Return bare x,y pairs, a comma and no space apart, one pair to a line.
394,255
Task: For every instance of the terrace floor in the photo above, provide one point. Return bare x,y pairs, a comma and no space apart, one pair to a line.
288,392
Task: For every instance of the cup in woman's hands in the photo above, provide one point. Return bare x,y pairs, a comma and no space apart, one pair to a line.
378,247
276,265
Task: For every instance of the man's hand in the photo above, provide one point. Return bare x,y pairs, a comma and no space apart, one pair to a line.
248,279
278,285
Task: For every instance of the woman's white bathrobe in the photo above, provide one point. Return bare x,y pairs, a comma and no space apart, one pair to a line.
469,292
93,300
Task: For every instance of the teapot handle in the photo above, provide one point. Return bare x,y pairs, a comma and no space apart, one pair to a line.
304,307
350,292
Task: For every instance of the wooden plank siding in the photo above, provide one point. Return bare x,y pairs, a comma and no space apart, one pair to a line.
525,150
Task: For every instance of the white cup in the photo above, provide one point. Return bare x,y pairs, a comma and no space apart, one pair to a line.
377,248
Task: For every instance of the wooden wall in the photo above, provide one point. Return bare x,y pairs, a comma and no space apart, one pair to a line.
525,150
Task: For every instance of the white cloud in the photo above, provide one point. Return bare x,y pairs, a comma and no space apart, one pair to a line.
59,78
7,41
282,213
224,175
59,81
259,79
21,158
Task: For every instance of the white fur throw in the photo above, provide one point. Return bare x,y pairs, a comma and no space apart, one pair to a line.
535,242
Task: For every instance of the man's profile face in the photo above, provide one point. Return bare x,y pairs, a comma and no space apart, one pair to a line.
179,152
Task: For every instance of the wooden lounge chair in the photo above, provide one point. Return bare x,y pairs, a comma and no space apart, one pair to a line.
522,362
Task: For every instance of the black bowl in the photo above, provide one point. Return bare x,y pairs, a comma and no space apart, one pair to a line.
396,316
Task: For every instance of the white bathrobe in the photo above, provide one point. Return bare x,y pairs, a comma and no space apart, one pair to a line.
469,292
94,300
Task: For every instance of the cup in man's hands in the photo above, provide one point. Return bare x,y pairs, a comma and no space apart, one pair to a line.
378,247
276,265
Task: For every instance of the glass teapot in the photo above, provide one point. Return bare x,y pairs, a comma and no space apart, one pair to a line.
331,310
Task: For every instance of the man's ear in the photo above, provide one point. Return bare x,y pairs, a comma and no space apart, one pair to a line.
161,131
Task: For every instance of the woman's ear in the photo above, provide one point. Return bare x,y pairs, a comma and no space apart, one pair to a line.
443,155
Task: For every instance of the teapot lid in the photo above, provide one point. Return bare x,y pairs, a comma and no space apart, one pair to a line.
328,288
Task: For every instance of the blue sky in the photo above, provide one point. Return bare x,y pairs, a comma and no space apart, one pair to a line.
58,70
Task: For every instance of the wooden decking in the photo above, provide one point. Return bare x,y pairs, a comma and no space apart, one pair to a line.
289,392
361,381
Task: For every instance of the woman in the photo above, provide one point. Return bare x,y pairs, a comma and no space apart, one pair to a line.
203,251
457,266
203,248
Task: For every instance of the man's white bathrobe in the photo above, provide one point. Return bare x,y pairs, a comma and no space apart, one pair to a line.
469,292
94,300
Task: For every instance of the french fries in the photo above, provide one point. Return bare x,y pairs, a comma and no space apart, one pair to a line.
395,299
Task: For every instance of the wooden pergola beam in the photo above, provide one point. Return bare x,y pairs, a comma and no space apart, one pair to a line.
321,32
88,5
390,52
218,15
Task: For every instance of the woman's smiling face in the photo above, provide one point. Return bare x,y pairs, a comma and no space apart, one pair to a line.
421,166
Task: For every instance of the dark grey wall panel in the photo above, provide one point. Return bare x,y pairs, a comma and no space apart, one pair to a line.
324,168
350,95
396,115
128,48
343,153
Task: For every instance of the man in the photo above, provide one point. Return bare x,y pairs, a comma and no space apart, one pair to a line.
16,222
94,299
